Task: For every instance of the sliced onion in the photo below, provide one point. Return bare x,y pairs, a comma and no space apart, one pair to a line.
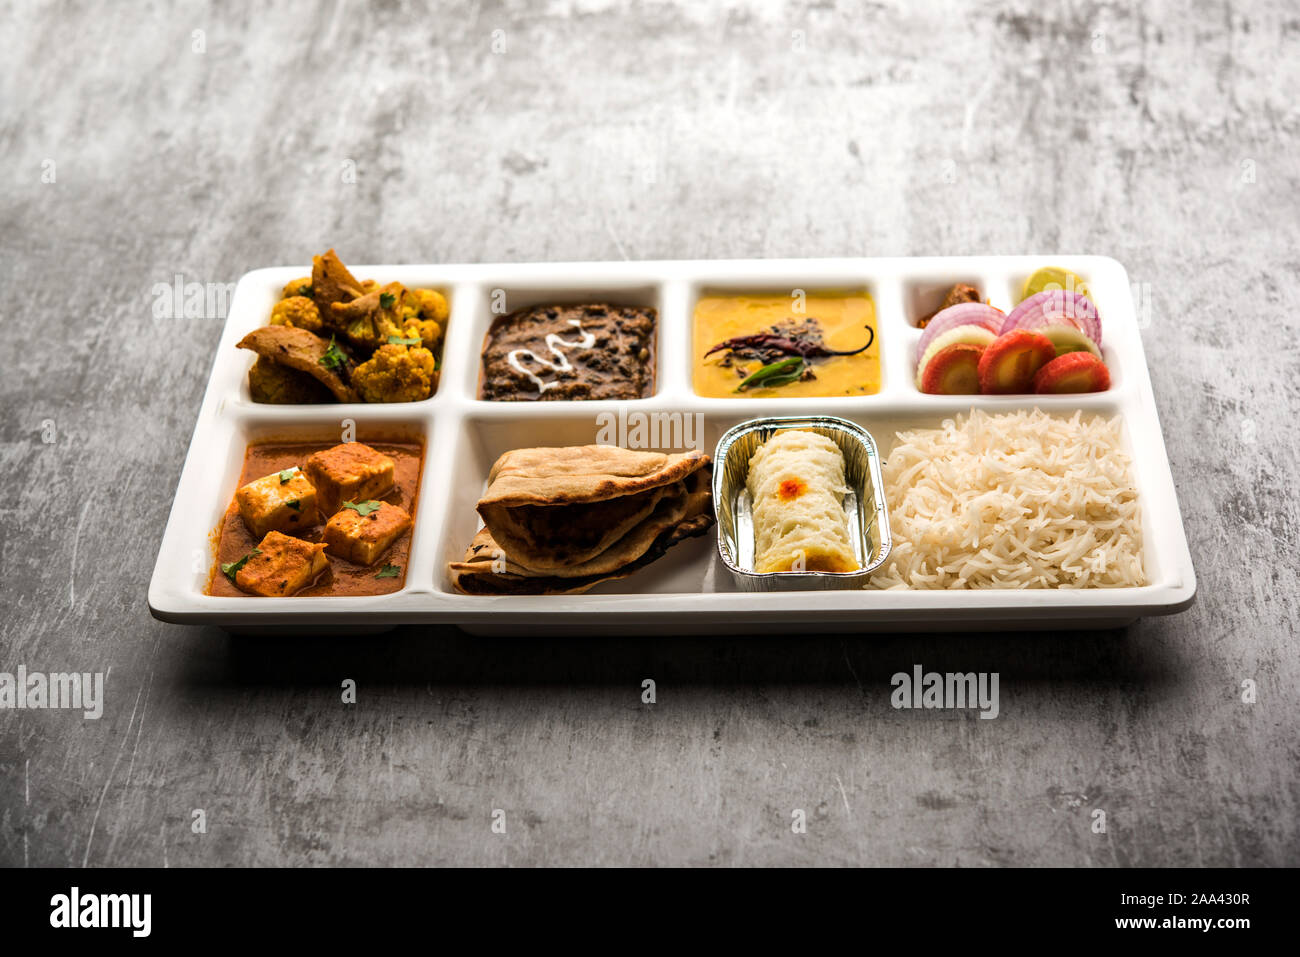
1055,307
964,313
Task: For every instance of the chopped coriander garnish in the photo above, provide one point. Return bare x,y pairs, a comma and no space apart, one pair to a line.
229,568
333,357
389,571
363,508
304,289
399,341
287,474
386,300
294,504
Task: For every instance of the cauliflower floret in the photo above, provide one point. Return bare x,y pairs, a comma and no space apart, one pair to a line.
369,320
396,374
298,287
424,316
297,311
426,304
426,330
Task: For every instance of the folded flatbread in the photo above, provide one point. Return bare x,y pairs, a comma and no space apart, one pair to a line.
682,512
553,509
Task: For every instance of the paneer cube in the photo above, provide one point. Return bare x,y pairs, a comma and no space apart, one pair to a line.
364,538
351,472
283,565
281,502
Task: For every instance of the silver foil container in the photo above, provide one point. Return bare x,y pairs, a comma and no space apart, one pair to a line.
864,505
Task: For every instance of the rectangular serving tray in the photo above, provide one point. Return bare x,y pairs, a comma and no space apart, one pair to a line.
688,590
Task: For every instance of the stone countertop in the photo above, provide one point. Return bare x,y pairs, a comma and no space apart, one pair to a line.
200,144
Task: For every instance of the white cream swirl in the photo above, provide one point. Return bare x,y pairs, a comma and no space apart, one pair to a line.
556,344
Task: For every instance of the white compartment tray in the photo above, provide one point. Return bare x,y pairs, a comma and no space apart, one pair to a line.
688,590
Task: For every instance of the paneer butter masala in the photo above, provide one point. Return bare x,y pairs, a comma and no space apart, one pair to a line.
315,519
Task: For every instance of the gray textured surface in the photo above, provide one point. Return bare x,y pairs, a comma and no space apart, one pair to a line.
1167,138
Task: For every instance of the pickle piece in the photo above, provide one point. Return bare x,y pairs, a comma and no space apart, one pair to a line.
1053,277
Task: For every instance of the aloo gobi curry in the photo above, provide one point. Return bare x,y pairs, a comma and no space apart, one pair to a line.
335,338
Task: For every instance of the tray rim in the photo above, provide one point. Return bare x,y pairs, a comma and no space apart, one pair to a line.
425,603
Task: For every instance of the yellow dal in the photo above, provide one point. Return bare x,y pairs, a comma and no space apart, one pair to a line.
842,319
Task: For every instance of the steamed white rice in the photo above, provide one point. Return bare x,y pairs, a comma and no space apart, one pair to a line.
1020,500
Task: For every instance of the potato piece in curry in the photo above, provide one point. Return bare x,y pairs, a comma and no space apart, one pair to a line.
275,384
331,282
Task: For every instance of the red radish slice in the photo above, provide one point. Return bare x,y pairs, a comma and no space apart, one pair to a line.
968,335
1072,372
1054,307
964,313
1008,366
953,371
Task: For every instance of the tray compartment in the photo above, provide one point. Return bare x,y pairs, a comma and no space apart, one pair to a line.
884,291
258,291
250,427
924,294
498,296
481,440
1157,558
1002,289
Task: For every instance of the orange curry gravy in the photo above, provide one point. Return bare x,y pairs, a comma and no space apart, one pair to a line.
342,577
